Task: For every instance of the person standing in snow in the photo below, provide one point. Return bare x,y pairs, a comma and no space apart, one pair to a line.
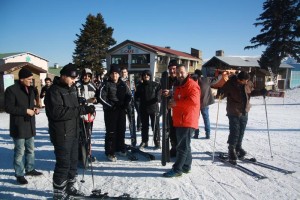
206,99
186,108
19,103
115,97
238,90
63,112
44,90
148,94
169,92
86,91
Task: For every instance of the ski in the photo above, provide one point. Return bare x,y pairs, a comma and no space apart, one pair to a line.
149,156
237,166
165,157
261,164
97,194
132,127
131,156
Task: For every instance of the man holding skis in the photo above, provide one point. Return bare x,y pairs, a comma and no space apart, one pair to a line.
169,92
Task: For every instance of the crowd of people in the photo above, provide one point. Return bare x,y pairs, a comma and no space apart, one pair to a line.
69,105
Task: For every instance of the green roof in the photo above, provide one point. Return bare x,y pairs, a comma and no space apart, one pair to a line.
55,71
4,55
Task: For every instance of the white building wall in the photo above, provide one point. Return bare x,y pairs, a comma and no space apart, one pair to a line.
26,57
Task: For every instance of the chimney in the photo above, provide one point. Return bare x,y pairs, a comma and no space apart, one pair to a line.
196,53
167,47
220,53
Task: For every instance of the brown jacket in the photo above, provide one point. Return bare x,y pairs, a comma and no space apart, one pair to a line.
238,96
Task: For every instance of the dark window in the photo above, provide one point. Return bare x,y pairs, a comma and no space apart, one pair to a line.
140,60
121,60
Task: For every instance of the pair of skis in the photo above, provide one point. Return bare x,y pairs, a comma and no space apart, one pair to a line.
223,157
132,127
165,156
97,194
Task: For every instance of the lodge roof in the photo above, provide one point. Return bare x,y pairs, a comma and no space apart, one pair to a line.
5,56
239,61
155,49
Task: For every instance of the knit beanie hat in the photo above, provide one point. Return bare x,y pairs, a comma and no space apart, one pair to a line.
173,63
69,70
114,68
24,73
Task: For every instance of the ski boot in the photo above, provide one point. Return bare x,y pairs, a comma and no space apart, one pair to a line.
232,157
240,152
59,192
71,189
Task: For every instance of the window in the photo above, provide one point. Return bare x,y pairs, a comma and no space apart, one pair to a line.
121,60
140,60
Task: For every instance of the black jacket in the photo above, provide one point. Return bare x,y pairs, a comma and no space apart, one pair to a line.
114,95
148,94
63,111
17,101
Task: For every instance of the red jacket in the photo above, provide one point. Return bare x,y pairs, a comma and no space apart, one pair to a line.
187,108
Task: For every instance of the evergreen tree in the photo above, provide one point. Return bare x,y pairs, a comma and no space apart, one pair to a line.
280,33
92,44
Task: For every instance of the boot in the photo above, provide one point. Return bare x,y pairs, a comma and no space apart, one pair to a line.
240,152
232,157
71,189
59,192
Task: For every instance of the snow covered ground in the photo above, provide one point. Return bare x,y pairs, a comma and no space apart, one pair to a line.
206,181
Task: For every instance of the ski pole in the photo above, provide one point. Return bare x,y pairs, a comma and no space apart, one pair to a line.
213,155
268,126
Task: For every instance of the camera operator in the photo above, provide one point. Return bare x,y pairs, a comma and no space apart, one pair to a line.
63,112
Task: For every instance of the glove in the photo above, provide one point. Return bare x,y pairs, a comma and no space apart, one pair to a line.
89,109
264,92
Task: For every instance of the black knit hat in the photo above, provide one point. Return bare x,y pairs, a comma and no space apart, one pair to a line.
69,70
148,72
198,72
173,63
24,73
114,68
243,76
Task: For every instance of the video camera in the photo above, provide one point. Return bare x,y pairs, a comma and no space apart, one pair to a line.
82,101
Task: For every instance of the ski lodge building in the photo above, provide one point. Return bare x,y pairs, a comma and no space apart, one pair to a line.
137,56
287,77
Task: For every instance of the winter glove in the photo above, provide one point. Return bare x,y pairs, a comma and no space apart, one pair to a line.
89,109
264,92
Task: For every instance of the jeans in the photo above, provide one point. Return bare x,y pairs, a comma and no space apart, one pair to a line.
237,126
205,116
23,146
184,154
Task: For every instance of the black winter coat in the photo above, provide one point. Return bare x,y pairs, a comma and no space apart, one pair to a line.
63,111
114,95
17,101
148,94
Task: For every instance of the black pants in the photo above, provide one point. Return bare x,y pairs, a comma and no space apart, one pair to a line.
237,126
138,118
115,123
66,153
145,126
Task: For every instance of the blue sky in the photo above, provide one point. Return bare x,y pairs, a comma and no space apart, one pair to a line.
49,28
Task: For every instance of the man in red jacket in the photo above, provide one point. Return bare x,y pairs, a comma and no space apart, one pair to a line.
186,107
